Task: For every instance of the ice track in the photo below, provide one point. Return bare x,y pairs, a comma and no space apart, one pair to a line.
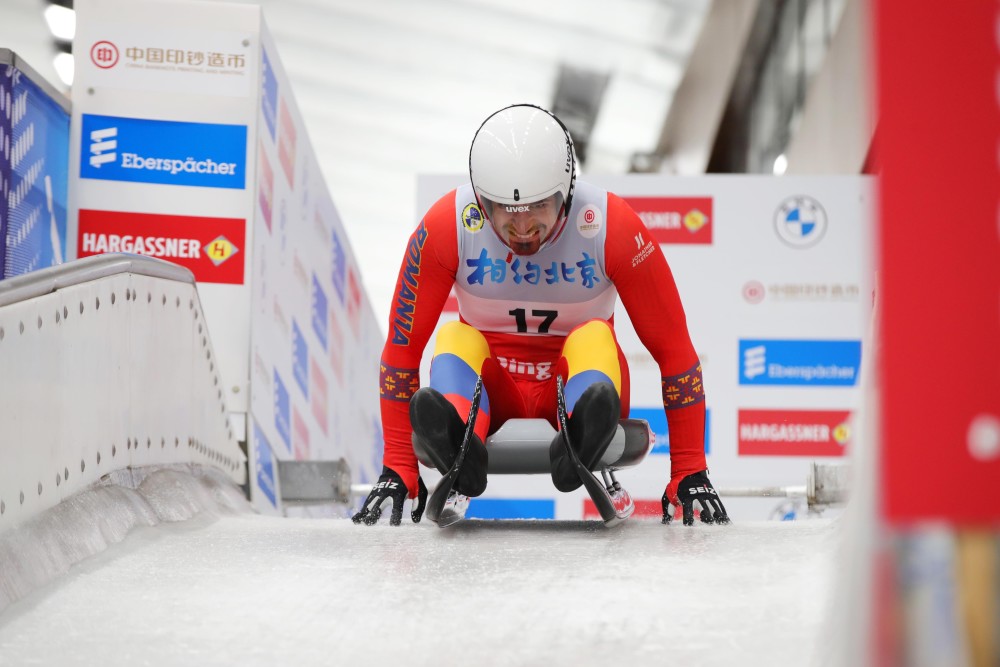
251,590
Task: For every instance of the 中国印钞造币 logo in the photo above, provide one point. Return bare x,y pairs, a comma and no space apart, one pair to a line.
164,152
800,362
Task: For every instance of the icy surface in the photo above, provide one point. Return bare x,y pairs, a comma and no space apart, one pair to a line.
251,590
48,545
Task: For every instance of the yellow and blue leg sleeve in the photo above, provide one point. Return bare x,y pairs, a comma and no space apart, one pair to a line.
459,353
592,355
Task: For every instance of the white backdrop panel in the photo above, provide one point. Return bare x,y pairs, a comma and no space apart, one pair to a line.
780,263
315,342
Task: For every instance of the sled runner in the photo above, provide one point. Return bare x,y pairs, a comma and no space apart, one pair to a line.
445,505
521,446
611,499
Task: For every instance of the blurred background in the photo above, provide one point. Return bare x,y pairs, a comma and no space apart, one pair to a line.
391,92
392,89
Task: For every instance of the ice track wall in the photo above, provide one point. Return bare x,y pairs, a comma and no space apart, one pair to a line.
106,363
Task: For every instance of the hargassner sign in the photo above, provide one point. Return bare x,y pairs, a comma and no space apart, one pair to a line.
166,152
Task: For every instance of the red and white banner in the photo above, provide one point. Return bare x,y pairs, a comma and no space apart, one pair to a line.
676,219
206,246
793,432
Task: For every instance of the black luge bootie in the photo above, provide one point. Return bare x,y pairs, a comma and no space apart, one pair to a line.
437,438
591,428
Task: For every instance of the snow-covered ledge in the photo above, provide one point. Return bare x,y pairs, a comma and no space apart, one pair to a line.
106,364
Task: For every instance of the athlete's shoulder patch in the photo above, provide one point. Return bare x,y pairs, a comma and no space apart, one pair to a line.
589,221
472,218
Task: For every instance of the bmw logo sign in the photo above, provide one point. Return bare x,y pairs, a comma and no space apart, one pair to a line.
800,221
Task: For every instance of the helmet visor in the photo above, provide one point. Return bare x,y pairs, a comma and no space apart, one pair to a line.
525,228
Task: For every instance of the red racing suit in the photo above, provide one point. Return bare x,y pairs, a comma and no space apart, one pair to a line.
604,252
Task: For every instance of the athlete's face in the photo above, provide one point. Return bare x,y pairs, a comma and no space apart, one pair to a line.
525,227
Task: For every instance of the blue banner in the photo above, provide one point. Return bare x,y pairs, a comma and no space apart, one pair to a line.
511,508
800,362
282,411
338,272
320,312
166,152
34,169
264,464
300,359
657,420
269,94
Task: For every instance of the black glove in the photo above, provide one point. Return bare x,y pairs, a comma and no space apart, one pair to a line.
390,488
695,486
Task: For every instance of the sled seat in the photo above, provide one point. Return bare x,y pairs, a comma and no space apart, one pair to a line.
521,447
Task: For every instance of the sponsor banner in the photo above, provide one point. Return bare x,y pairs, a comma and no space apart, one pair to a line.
754,292
320,312
643,508
286,144
301,436
318,396
210,247
482,270
793,432
6,167
800,222
261,372
282,411
115,148
354,296
188,61
300,358
265,188
263,461
280,320
657,420
185,102
511,508
338,264
299,272
337,345
800,362
269,95
675,219
520,369
34,148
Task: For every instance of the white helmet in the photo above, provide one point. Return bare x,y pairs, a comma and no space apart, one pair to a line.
520,155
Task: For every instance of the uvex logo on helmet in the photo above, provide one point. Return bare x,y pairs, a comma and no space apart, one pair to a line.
517,209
